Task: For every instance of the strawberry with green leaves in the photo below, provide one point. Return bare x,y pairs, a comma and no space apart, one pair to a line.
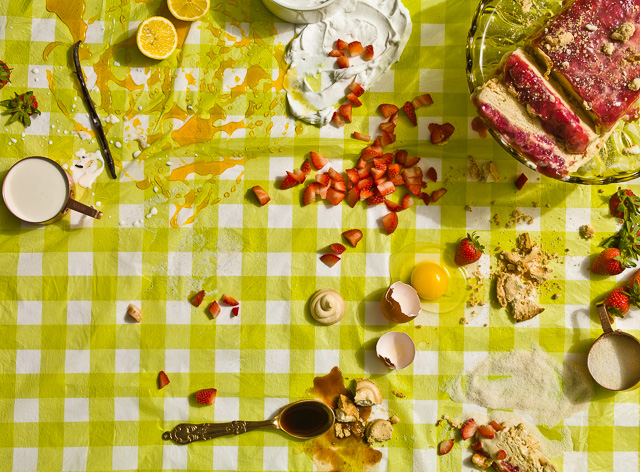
608,262
469,250
5,74
21,107
624,204
619,300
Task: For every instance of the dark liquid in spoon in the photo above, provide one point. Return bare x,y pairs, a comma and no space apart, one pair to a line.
305,419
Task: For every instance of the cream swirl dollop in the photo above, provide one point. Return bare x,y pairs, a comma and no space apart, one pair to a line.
385,24
327,306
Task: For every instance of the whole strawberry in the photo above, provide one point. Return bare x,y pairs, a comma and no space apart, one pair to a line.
608,262
469,250
5,74
621,196
617,301
21,107
634,280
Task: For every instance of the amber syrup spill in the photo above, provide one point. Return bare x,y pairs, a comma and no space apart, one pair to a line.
70,13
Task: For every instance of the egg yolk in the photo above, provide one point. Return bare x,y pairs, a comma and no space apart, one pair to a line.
430,280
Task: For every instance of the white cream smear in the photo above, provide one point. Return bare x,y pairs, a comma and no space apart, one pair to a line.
385,24
303,3
87,167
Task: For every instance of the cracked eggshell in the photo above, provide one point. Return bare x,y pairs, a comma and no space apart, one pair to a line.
396,350
400,303
367,393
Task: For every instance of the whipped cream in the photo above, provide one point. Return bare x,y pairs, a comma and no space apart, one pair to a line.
385,24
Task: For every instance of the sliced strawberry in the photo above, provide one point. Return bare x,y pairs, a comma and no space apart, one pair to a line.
309,195
380,163
334,174
336,53
206,396
386,126
306,166
322,190
339,185
393,170
401,155
388,158
476,446
356,88
378,173
421,101
235,311
394,118
390,222
163,380
337,119
337,248
469,428
362,137
497,426
393,206
368,52
445,446
365,194
440,134
214,309
197,300
345,111
411,161
354,100
299,175
412,176
342,45
432,174
289,181
323,179
371,152
387,109
437,194
380,181
365,171
407,201
355,48
387,138
375,200
262,196
501,455
353,236
365,184
520,181
330,259
386,188
230,300
397,180
334,196
426,198
415,189
343,62
486,430
352,175
410,112
318,160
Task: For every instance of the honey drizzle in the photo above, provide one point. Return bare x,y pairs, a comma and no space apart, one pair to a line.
70,13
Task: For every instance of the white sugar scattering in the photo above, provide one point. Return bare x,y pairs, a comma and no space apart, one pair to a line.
531,381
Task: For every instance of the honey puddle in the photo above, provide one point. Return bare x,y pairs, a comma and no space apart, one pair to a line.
330,453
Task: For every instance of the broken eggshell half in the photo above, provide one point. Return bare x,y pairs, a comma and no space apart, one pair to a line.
396,350
400,303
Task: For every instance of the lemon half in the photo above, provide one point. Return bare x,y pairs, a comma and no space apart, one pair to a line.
188,10
157,38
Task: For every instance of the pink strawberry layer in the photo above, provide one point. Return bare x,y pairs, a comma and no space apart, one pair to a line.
533,91
599,81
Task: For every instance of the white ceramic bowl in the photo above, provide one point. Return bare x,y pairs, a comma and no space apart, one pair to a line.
305,12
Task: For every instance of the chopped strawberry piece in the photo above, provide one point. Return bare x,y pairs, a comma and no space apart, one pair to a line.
353,196
397,180
440,134
343,62
214,309
322,190
390,222
375,200
393,206
340,44
365,171
262,196
412,176
411,161
407,201
355,48
387,138
334,196
377,173
337,248
336,53
486,430
309,195
299,175
352,175
386,126
230,300
497,426
356,88
365,184
163,380
330,259
410,112
235,311
388,158
306,166
345,111
197,300
501,455
318,160
401,155
394,118
386,188
520,181
380,163
365,194
437,194
339,185
415,189
479,127
334,174
368,52
469,428
432,174
289,181
206,396
387,109
421,101
371,152
354,100
323,179
445,446
337,119
380,181
476,446
353,236
362,137
393,170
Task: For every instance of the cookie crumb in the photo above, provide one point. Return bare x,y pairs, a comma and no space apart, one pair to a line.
587,231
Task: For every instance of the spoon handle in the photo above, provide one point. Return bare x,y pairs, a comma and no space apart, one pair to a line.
186,433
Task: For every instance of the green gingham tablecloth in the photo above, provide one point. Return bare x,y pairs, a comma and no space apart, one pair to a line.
78,379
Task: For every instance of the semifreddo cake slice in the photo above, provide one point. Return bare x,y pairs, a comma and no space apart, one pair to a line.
543,100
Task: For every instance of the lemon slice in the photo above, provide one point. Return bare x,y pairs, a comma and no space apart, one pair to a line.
157,37
188,10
